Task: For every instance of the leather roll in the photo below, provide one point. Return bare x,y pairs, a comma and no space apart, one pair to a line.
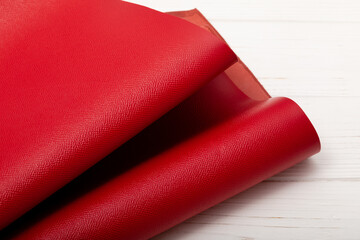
212,146
120,122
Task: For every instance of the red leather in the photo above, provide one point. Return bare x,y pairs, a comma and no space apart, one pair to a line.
80,78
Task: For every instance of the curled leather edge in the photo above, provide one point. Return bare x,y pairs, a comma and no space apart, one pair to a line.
239,73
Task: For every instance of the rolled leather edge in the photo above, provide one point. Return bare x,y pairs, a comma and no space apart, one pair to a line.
264,139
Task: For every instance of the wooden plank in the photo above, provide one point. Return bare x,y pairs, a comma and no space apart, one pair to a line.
264,10
280,210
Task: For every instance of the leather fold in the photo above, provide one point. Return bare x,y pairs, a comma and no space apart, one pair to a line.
119,122
80,78
212,146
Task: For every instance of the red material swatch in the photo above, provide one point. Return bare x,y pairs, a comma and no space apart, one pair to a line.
80,79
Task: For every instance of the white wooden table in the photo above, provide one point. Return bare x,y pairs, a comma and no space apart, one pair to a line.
309,51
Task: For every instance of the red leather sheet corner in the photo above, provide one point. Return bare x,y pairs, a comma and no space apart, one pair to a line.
80,80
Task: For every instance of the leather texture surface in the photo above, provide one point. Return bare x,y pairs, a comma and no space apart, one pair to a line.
79,78
66,110
212,146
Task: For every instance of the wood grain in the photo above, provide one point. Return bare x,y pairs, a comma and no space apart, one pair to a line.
309,51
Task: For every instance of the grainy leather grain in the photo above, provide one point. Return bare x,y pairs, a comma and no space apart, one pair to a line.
79,78
212,146
225,138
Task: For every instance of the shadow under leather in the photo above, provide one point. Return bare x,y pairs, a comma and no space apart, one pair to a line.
218,101
195,224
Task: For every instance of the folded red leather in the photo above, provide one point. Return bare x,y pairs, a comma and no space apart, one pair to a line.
82,78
